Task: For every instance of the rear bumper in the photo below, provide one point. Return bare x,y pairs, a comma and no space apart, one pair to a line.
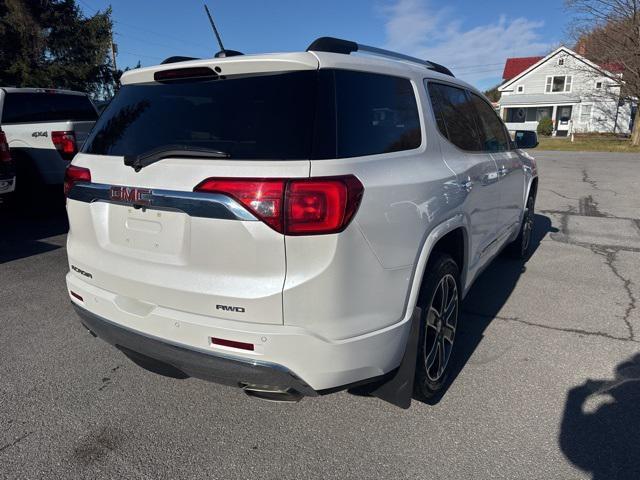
319,363
224,369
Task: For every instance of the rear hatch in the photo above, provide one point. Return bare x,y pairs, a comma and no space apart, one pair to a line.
138,229
47,119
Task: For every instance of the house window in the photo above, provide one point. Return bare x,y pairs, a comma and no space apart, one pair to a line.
520,89
585,113
516,115
598,85
531,114
561,61
557,84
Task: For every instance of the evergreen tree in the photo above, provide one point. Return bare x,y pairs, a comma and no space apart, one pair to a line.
51,44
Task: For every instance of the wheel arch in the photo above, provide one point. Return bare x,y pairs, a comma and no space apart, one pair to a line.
451,237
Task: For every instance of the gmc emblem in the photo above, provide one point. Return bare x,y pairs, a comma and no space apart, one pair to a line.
136,196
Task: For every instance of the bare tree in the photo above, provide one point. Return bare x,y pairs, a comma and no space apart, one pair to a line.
608,33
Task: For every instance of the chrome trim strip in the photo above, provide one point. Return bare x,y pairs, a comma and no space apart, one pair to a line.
194,204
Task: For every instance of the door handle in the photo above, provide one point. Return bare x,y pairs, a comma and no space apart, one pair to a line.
466,186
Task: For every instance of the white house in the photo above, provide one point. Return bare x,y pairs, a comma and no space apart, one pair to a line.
577,94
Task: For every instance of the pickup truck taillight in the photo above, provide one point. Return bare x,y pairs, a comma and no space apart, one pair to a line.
65,143
75,174
307,206
5,155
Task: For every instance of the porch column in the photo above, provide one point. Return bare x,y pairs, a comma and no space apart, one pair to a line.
553,118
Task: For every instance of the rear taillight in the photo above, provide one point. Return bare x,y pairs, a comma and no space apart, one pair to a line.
5,155
74,174
65,143
263,197
309,206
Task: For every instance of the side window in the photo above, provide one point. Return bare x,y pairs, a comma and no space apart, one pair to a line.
455,116
375,114
491,128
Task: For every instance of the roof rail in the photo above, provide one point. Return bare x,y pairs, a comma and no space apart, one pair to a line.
337,45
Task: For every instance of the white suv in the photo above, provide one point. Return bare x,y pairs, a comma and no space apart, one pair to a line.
295,223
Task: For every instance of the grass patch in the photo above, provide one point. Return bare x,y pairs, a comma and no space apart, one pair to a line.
588,144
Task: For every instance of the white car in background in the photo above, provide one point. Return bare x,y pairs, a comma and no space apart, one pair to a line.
44,128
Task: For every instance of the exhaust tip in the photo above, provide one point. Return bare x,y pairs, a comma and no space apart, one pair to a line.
272,394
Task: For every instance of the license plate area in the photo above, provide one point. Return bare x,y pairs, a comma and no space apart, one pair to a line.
144,233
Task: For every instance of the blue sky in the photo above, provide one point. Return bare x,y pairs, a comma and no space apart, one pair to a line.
473,38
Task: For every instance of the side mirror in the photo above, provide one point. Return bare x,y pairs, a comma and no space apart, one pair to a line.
526,139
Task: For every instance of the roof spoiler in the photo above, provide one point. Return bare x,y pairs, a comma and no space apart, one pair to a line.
177,58
337,45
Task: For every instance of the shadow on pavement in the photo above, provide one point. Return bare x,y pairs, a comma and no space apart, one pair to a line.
600,430
487,296
24,232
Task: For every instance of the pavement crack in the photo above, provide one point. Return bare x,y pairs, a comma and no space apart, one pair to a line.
563,234
563,196
572,212
15,442
576,331
587,179
610,258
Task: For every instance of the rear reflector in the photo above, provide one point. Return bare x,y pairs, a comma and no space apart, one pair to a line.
307,206
74,174
231,343
65,143
184,73
5,155
75,295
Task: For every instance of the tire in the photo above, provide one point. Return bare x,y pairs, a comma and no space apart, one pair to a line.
438,326
519,248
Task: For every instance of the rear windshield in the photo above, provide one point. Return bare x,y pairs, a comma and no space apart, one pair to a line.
23,107
291,115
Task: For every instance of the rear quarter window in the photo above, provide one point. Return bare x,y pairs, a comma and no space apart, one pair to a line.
28,107
455,116
375,114
494,136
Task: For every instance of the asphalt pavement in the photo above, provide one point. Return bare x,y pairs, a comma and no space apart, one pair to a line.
547,386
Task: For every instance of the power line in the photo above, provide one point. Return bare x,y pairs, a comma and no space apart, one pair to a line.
477,65
163,35
486,70
88,6
94,10
151,57
140,39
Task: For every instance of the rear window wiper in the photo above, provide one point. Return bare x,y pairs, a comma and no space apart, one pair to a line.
137,162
